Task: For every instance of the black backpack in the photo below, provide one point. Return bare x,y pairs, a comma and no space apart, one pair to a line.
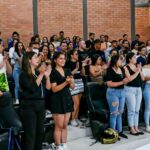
97,129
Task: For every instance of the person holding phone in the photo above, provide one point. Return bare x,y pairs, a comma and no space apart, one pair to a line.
61,100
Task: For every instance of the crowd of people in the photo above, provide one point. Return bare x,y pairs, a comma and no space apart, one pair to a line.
48,74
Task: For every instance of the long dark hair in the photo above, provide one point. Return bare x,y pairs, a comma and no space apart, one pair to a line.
49,54
129,56
17,50
45,38
114,60
55,56
95,58
26,67
52,38
71,52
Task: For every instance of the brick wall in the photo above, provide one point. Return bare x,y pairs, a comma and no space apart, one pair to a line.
104,17
16,15
67,15
143,22
59,15
109,17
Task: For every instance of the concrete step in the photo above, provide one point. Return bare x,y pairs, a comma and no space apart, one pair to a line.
75,133
140,142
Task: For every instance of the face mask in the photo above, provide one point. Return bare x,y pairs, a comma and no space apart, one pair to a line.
35,50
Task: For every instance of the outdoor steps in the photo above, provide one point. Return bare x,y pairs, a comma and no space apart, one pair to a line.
132,143
75,133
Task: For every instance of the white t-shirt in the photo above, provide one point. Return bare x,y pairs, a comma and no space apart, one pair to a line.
3,69
11,51
4,87
146,72
56,44
148,49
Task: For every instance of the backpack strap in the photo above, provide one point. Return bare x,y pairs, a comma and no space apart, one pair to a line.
9,139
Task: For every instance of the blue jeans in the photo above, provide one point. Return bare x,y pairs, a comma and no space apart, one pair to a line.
133,102
16,74
146,94
118,96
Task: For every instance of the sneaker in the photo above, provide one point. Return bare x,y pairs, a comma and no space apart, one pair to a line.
48,114
46,146
54,147
87,123
74,123
79,122
16,101
64,146
148,129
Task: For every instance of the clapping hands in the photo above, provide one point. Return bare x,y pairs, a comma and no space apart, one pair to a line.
48,71
69,79
139,67
45,70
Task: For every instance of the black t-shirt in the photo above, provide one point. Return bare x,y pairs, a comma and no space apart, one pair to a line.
99,52
72,65
61,101
89,43
134,42
30,89
137,82
56,77
82,55
114,77
141,60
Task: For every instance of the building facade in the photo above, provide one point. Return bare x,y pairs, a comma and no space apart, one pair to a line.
102,17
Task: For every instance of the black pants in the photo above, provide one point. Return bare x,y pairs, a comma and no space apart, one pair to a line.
8,116
33,115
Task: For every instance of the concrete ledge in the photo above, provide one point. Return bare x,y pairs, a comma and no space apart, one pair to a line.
75,133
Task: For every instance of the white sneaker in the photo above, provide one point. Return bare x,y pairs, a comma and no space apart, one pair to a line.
16,101
79,122
64,146
87,123
148,129
54,147
74,123
48,114
59,148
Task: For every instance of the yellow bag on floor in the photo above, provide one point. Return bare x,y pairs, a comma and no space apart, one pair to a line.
109,136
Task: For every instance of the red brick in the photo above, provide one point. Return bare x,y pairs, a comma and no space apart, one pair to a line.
104,17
